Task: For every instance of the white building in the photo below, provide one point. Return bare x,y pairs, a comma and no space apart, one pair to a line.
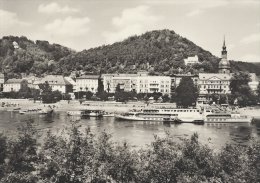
14,85
57,82
87,83
218,83
176,79
253,84
191,60
151,84
32,81
127,82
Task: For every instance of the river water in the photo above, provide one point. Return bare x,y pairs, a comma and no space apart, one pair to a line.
136,133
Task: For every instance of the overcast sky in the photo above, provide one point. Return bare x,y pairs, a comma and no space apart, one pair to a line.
82,24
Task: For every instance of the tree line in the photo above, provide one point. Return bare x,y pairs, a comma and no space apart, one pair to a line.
79,156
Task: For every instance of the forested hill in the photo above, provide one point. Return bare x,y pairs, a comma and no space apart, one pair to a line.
159,52
156,51
21,55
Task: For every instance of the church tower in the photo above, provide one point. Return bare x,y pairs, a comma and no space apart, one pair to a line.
224,65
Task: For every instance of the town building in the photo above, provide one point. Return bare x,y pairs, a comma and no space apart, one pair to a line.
32,81
57,82
151,84
218,83
126,82
215,83
176,79
14,85
210,83
191,60
87,83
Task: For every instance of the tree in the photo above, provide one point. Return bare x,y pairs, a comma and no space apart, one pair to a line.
100,88
3,154
22,157
49,96
238,80
258,92
88,94
166,98
156,95
186,92
241,90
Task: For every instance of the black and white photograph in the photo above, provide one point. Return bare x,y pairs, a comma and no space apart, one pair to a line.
129,91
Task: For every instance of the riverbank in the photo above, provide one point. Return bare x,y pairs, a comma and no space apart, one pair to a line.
108,106
64,105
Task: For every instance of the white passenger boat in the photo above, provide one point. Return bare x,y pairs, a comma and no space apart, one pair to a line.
225,117
166,115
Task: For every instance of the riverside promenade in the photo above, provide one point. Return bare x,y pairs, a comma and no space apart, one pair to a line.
64,105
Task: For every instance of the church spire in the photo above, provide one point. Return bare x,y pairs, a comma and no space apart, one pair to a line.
224,48
224,43
224,65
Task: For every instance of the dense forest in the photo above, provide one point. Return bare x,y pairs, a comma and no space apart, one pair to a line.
159,52
76,157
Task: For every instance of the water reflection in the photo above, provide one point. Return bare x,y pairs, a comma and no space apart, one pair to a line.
137,133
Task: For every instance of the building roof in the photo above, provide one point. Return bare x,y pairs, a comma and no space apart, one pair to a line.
55,80
88,77
185,75
207,76
14,81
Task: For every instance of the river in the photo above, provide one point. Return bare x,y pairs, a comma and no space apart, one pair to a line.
137,133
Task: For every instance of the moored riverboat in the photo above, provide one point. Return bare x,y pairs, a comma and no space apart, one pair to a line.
227,118
165,115
86,113
36,111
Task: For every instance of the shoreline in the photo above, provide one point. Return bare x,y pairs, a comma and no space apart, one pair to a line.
108,106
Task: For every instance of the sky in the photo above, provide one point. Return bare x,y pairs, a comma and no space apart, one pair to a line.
84,24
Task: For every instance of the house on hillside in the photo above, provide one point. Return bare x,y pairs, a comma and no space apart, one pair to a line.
191,60
253,84
14,85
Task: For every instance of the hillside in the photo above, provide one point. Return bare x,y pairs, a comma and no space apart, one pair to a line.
21,55
155,51
159,52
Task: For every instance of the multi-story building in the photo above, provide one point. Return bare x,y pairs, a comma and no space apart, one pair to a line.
127,82
32,81
176,79
151,84
57,82
87,83
218,83
210,83
14,85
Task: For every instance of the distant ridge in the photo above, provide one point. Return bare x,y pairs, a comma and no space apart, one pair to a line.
159,52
